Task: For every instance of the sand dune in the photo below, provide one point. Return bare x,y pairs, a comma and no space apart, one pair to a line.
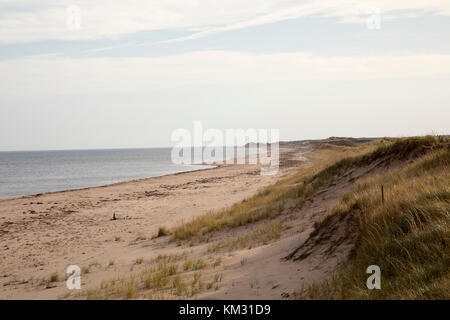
111,232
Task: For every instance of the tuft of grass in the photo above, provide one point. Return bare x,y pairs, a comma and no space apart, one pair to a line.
54,277
129,289
139,261
162,232
172,270
198,265
179,287
217,262
160,279
261,236
196,285
170,258
214,283
187,265
194,265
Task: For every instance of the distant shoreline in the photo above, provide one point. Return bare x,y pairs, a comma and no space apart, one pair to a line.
77,227
109,184
36,173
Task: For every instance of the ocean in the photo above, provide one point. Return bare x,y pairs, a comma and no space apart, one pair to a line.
34,172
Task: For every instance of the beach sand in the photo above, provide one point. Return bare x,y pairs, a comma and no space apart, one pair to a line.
44,234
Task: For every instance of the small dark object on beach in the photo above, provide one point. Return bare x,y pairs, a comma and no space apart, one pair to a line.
114,216
162,232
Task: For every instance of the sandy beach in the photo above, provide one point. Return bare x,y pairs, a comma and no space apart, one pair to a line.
221,233
44,234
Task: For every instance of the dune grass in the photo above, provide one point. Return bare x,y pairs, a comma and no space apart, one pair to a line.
269,202
54,277
387,149
324,165
408,236
151,279
162,278
269,232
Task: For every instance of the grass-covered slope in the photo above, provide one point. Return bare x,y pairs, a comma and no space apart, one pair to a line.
269,202
407,236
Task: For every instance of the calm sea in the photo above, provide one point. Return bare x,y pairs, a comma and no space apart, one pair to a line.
33,172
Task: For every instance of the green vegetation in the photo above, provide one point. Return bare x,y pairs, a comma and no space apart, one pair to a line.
162,232
179,286
407,236
388,149
170,258
217,263
155,281
54,277
268,203
263,235
194,265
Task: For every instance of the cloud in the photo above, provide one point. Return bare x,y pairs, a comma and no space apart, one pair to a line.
26,21
49,75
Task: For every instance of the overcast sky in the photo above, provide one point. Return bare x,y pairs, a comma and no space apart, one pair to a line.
111,74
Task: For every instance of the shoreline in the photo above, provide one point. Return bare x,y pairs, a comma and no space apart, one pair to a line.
109,184
215,165
43,234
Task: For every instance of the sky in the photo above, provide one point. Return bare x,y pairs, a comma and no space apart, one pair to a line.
126,74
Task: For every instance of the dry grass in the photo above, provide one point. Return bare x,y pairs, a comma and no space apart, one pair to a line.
269,202
408,236
162,232
386,149
261,236
194,265
54,277
160,279
171,258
